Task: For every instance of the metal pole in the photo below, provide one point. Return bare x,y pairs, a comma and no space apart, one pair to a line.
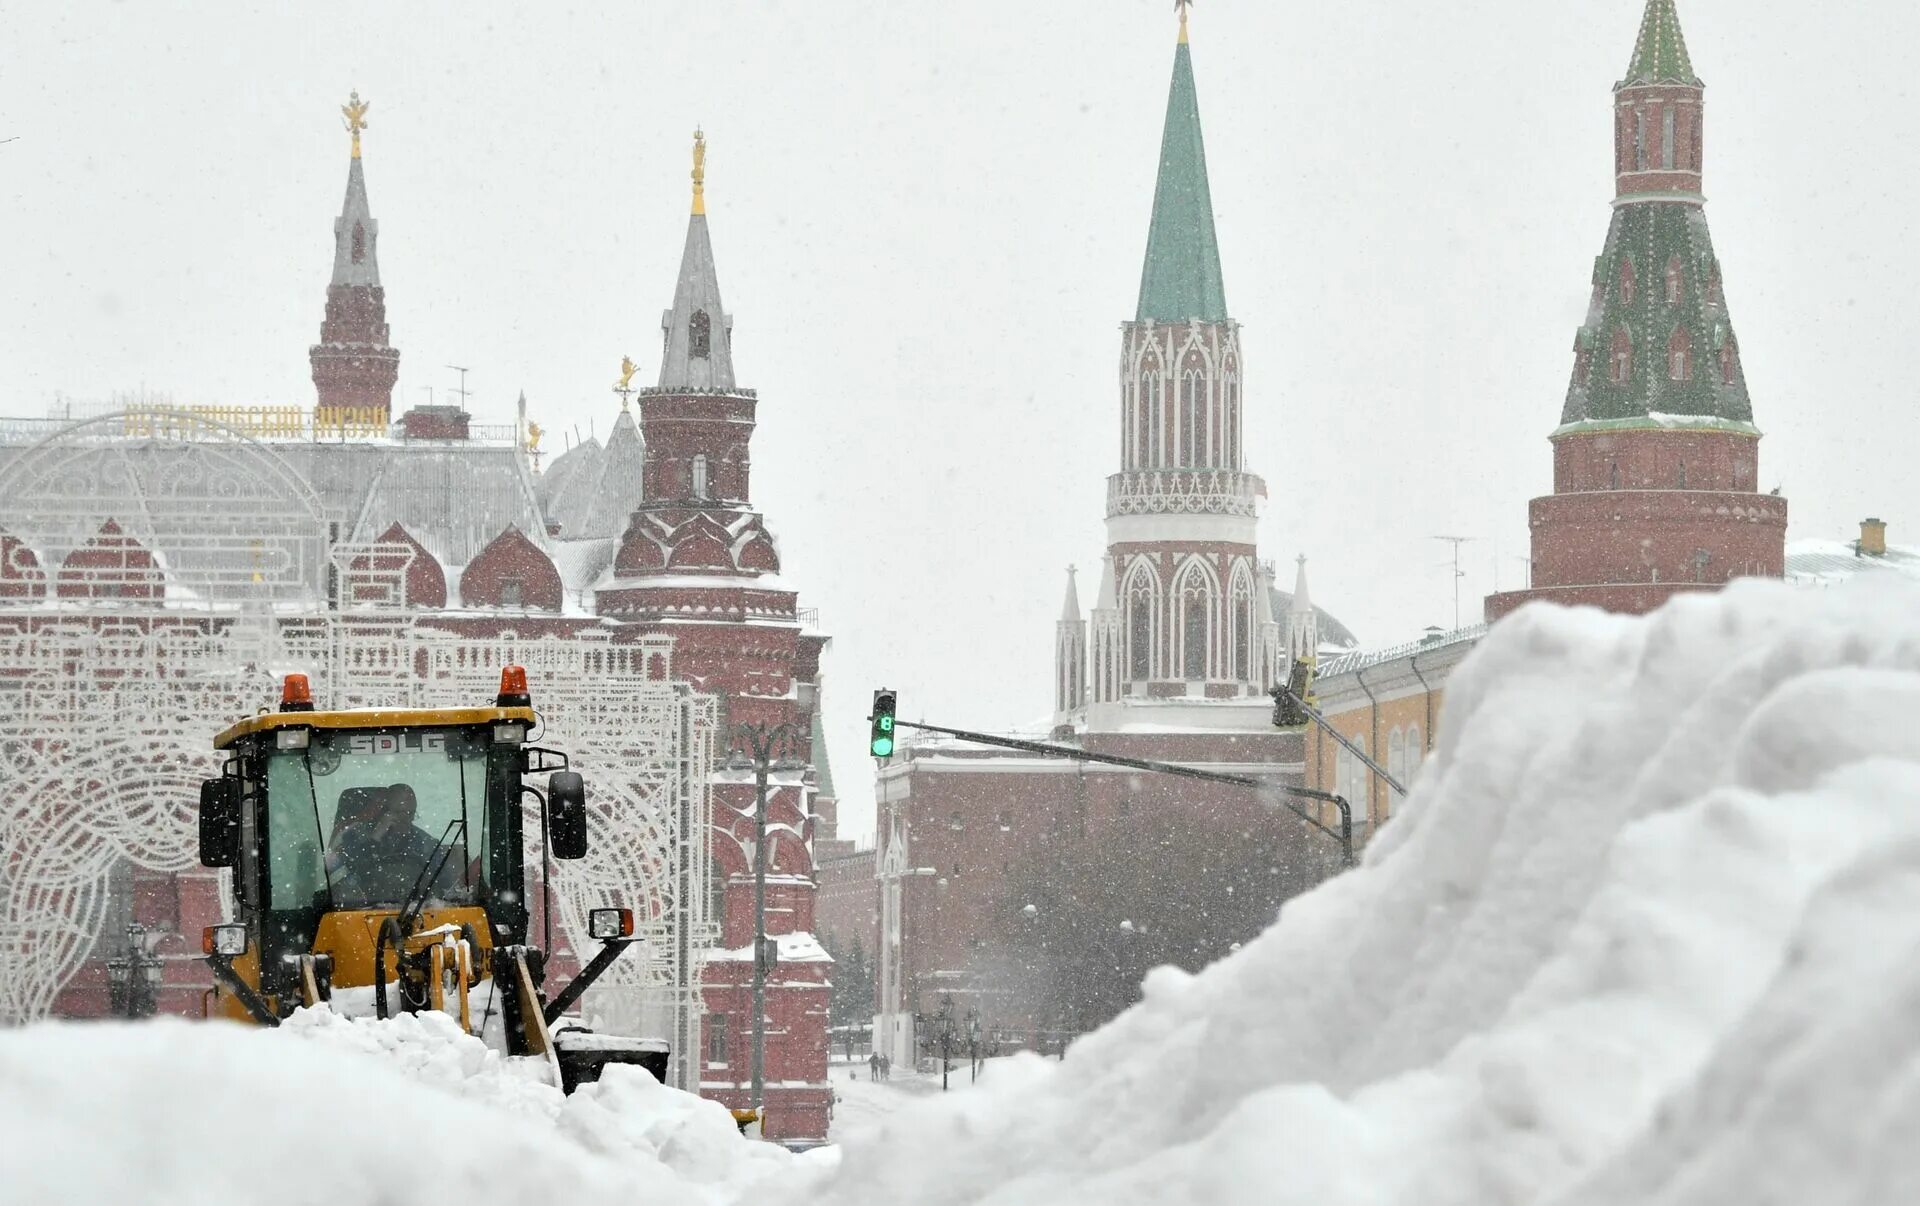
760,934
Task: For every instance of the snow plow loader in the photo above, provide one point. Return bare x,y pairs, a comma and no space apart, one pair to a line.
378,867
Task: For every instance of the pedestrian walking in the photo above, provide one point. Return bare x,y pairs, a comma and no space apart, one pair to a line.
873,1066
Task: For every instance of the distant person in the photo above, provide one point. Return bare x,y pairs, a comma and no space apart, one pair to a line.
873,1066
886,1068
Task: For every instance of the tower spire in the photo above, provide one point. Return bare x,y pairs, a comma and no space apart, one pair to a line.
699,334
1181,277
1183,5
354,367
1660,52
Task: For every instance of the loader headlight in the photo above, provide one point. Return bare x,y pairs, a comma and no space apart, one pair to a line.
509,734
291,739
603,924
228,940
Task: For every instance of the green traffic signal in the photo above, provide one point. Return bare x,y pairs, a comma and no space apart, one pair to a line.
880,741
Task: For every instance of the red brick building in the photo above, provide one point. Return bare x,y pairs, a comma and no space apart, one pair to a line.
1655,462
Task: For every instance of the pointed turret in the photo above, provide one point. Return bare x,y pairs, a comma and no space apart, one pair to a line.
698,334
1181,279
354,367
1070,654
1303,622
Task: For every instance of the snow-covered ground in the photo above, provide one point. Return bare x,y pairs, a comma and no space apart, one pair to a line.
1645,931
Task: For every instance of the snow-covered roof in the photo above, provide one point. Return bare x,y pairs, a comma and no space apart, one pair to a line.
1824,562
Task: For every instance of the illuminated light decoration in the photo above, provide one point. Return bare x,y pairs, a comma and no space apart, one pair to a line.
104,768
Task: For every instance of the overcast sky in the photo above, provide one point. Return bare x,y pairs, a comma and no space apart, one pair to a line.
929,219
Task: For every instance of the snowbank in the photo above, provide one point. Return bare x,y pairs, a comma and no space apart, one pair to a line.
1644,932
326,1110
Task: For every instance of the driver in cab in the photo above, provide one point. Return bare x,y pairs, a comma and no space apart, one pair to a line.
377,853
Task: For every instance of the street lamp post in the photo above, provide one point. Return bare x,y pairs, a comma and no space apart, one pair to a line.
758,744
133,980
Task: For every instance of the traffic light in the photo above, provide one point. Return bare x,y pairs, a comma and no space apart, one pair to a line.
880,743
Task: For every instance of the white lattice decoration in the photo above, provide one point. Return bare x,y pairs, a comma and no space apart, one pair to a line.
108,706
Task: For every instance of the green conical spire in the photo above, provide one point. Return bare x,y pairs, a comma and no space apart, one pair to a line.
1660,55
1181,279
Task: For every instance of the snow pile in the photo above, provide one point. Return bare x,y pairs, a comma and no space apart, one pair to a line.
326,1110
1644,932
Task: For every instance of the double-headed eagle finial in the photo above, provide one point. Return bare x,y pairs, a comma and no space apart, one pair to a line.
356,113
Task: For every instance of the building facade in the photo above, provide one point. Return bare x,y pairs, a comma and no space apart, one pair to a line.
1656,459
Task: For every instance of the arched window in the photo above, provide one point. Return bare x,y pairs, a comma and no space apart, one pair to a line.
1639,140
359,242
1191,418
1156,447
1675,278
700,336
1683,474
1242,628
1727,366
700,476
1196,628
1627,280
1667,140
1416,752
1622,358
1129,423
1233,424
1680,355
1613,475
1397,759
1140,626
1359,781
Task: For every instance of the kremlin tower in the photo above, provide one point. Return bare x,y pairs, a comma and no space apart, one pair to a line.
1184,620
1655,461
697,563
354,367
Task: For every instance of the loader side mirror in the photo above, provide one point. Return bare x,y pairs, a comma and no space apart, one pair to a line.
219,823
567,815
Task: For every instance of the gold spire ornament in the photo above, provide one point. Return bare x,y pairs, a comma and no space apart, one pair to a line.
699,172
624,387
356,111
1182,5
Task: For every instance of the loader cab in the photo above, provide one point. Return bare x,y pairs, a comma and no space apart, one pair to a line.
334,821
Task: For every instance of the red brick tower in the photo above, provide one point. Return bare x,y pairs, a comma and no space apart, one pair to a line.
354,367
1655,461
697,562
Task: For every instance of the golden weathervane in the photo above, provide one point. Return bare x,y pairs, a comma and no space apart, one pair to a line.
356,112
699,172
624,387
